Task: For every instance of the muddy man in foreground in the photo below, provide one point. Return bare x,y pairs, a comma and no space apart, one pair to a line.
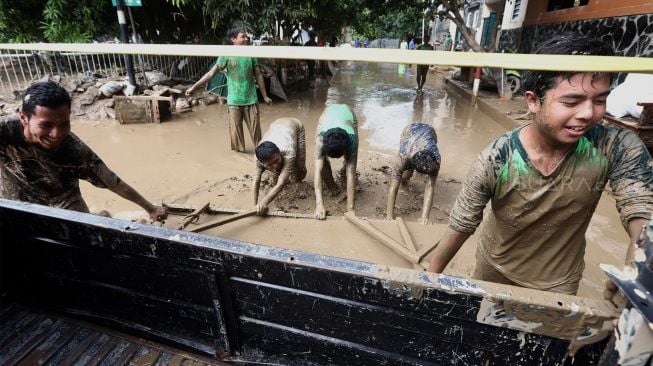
544,181
337,136
41,161
282,151
418,151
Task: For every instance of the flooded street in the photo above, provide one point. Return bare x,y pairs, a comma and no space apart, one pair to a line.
188,161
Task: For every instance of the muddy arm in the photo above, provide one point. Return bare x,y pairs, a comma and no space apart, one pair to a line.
351,184
392,197
125,191
317,182
257,183
214,70
428,199
284,176
261,85
447,249
634,230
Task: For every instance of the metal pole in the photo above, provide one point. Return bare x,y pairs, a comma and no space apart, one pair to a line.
120,5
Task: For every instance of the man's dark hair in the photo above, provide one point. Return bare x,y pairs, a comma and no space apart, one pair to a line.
426,162
266,150
45,94
335,142
539,82
233,32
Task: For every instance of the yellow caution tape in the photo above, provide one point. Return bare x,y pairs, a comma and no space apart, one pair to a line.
500,60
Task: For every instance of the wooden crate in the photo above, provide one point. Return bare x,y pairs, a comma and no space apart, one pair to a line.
142,109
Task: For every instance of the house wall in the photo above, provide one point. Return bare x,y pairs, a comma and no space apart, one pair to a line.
630,35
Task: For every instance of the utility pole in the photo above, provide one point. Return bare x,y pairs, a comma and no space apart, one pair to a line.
122,21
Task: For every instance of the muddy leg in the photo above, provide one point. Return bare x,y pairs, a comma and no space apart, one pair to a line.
236,129
253,121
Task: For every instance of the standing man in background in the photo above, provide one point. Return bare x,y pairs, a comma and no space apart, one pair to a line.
242,98
423,70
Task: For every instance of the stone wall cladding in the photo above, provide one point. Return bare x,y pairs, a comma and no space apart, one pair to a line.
629,35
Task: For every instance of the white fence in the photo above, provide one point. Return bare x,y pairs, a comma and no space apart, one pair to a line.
19,68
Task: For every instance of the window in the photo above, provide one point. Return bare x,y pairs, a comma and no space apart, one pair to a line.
565,4
473,18
516,9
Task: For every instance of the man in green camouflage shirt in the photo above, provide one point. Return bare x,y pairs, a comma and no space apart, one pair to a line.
544,181
41,161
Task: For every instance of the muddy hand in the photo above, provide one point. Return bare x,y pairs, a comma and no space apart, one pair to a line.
320,212
268,100
158,213
261,210
190,91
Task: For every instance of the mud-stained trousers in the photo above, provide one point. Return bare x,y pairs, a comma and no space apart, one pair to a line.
249,114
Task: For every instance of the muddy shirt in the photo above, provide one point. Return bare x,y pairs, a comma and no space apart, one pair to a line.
535,232
240,79
31,174
337,116
414,138
289,136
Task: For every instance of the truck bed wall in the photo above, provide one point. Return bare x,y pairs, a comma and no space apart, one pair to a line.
238,301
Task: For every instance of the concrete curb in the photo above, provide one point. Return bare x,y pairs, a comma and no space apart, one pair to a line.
485,107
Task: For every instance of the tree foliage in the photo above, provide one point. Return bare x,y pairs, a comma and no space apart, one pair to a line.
54,20
176,21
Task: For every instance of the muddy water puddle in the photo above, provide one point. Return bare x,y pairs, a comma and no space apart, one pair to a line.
188,161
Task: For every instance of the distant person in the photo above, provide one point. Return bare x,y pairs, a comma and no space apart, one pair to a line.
282,151
42,161
544,181
357,43
242,98
403,45
311,63
423,70
418,151
448,42
337,136
411,44
365,43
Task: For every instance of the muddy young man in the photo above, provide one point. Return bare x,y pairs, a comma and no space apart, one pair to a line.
418,151
242,99
283,152
337,136
42,161
544,181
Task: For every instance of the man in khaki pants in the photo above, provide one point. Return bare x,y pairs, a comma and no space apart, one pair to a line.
242,99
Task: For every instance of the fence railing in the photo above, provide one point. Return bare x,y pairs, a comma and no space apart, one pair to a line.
19,68
20,63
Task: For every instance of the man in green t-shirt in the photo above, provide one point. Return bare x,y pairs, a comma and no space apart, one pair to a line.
544,181
242,99
337,136
423,70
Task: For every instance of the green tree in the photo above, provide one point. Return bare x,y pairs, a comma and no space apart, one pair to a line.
54,21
